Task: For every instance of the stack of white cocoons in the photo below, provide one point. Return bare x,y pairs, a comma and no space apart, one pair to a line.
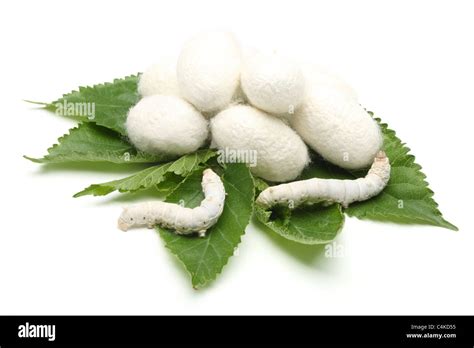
212,78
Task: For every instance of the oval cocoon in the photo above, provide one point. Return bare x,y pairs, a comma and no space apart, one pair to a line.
281,154
208,70
159,78
166,124
338,128
272,83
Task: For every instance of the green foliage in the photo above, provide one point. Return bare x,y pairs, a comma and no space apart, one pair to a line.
307,225
111,103
407,197
102,138
151,176
205,257
91,143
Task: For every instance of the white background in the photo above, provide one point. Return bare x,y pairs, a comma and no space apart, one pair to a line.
410,61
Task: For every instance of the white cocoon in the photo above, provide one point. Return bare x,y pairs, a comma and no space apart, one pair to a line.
160,78
281,154
166,124
272,83
318,77
338,128
208,70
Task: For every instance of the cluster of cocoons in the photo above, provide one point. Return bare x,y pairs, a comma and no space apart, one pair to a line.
241,98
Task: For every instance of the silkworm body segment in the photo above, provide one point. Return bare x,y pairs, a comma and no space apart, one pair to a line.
317,190
176,217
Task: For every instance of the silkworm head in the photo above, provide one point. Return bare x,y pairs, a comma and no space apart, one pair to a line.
131,217
381,156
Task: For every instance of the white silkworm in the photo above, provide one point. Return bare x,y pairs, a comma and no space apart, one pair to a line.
316,190
180,219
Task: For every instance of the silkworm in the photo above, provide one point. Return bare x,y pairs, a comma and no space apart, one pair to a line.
176,217
316,190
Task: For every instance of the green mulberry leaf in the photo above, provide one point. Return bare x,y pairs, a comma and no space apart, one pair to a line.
91,143
313,224
407,197
205,257
109,102
151,176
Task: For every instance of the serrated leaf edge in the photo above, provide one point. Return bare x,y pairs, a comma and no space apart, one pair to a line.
197,286
258,212
406,150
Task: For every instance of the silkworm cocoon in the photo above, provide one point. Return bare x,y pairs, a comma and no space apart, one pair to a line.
160,78
338,128
320,78
238,98
316,190
166,124
208,70
272,83
173,216
281,155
